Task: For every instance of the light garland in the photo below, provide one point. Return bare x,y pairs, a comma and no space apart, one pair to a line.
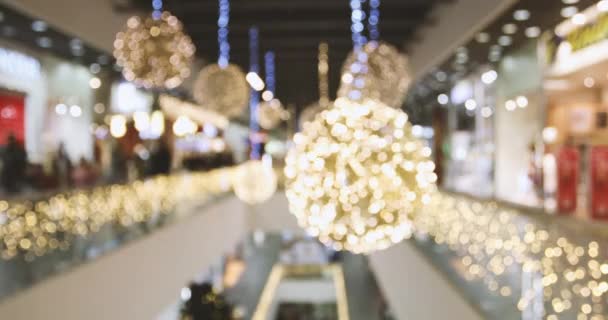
387,78
222,87
560,277
255,182
270,112
35,228
154,52
312,110
357,177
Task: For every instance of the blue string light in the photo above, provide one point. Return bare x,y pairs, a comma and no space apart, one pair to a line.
357,18
254,99
222,33
270,71
374,20
157,6
359,67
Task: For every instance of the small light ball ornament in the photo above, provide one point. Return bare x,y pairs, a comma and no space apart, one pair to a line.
387,77
223,90
154,53
255,181
357,177
271,113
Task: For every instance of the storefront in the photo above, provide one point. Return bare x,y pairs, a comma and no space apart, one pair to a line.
470,146
575,57
43,101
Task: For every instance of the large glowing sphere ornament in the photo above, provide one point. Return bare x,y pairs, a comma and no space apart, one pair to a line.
357,177
387,75
154,53
254,181
271,113
223,90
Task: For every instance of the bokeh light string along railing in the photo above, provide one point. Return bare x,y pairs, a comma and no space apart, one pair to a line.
34,228
558,274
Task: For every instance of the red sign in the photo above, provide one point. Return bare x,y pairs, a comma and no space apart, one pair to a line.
567,179
12,117
599,182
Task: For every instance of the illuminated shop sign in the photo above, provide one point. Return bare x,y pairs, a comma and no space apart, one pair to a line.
16,64
575,34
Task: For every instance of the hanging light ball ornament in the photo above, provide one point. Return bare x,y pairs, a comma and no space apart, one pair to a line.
223,90
387,78
254,182
154,53
357,177
271,113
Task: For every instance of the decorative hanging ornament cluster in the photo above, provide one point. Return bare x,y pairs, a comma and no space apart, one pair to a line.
270,111
387,78
357,177
255,182
154,52
222,87
312,110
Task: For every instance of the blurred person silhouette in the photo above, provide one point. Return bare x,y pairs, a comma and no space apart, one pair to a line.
160,159
84,174
62,167
14,163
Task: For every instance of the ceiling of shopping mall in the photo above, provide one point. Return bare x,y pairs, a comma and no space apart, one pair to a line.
293,30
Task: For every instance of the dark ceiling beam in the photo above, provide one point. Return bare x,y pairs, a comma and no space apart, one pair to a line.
292,5
289,16
299,26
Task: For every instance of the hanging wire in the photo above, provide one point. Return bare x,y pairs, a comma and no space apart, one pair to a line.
254,99
157,9
270,71
359,68
373,21
222,33
323,68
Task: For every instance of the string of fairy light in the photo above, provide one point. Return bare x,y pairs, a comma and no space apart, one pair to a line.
222,33
269,67
561,277
254,97
157,9
34,228
323,69
359,67
373,21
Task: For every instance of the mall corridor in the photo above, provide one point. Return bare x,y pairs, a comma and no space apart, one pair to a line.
303,159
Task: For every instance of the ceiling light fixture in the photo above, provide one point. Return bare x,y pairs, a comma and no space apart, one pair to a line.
568,12
489,77
39,26
505,41
509,28
510,105
443,99
483,37
532,32
521,15
44,42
